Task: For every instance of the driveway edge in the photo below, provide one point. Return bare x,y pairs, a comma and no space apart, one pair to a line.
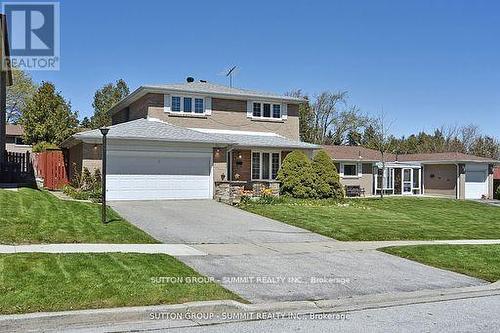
147,315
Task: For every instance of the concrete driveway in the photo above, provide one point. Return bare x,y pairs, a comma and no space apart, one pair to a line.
264,260
207,222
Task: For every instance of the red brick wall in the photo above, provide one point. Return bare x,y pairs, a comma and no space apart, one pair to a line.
138,109
244,168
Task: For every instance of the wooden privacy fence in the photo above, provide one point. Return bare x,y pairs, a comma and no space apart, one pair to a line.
16,167
50,166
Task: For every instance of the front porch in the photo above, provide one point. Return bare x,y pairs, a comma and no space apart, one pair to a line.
246,171
398,179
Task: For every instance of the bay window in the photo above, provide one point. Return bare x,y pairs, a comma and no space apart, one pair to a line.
265,165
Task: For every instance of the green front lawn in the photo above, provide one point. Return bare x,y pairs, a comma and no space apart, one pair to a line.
33,216
481,261
394,218
33,282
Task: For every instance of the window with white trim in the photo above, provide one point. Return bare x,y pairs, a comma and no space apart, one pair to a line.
188,104
276,111
257,110
198,105
265,165
266,110
176,103
350,170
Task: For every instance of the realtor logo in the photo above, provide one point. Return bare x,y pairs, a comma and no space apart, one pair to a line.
33,29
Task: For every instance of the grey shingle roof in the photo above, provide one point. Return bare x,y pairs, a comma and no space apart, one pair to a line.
212,88
154,130
144,129
255,140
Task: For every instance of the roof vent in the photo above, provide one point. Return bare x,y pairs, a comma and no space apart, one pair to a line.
203,81
189,79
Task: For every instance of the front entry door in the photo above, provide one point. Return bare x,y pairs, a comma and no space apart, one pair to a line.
407,181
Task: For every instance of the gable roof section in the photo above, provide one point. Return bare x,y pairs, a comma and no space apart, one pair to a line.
156,130
144,129
256,139
444,157
359,153
204,88
212,88
355,153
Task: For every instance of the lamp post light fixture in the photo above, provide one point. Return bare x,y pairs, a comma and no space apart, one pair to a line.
104,132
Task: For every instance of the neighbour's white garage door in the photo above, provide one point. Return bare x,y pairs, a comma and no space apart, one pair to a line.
476,181
159,175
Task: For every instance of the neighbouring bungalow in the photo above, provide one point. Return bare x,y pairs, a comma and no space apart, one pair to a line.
452,175
14,139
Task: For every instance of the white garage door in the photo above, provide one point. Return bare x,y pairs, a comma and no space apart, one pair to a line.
159,175
476,181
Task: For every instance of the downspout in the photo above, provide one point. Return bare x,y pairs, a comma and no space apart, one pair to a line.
458,181
422,178
229,168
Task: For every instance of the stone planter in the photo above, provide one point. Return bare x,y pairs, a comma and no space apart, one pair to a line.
229,192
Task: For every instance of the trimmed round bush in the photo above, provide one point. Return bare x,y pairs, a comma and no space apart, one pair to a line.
297,176
328,181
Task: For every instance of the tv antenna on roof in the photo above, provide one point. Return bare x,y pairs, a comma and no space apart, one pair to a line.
230,73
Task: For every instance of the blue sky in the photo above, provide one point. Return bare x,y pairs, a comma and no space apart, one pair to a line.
427,63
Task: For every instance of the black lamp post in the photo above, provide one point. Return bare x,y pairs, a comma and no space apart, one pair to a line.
104,132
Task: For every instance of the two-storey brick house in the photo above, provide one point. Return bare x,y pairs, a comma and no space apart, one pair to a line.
180,141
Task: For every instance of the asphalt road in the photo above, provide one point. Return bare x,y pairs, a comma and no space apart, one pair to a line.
466,315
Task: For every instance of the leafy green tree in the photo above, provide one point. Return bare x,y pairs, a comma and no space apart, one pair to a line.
328,181
48,117
354,138
486,146
85,123
104,99
368,139
18,94
297,176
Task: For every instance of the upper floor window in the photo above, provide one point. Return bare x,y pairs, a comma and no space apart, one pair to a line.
176,103
257,110
266,110
186,104
198,105
276,111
